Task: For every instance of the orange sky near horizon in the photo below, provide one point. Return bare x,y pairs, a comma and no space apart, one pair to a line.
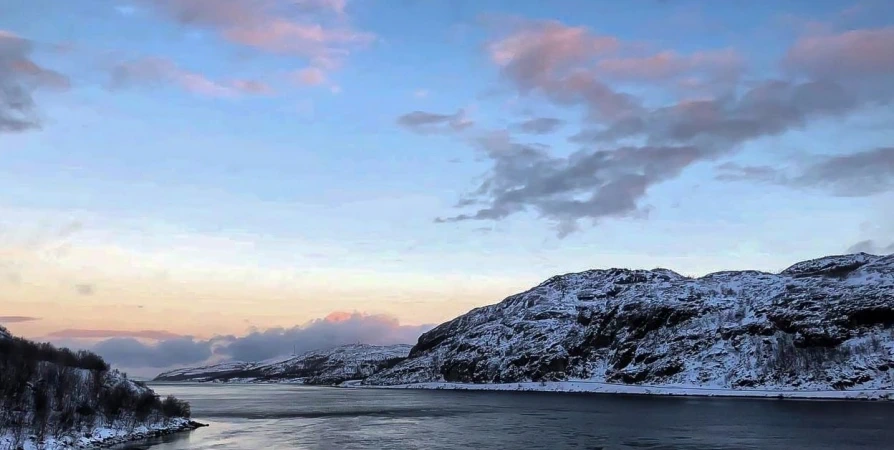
108,289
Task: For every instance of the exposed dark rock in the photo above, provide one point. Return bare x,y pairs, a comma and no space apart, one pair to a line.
820,324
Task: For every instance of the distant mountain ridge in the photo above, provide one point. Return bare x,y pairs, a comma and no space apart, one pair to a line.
331,366
822,324
826,323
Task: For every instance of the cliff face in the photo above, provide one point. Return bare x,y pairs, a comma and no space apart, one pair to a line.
333,366
820,324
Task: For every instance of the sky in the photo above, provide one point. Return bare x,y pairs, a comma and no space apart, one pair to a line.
185,181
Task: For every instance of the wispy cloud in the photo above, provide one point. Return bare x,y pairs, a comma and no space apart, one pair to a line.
856,174
853,54
630,144
317,30
124,348
540,125
428,122
154,72
17,319
310,76
100,334
20,76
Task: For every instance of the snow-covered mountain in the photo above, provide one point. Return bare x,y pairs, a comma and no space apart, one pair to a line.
333,366
821,324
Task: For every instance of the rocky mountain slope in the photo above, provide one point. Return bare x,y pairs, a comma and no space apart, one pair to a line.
821,324
348,362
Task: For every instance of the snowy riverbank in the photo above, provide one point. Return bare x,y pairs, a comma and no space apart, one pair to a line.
100,437
609,388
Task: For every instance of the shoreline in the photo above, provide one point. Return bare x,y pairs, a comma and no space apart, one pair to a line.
106,437
592,387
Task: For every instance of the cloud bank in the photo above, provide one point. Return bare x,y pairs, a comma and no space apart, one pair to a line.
130,349
713,103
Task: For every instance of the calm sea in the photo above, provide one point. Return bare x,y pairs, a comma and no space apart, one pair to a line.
256,417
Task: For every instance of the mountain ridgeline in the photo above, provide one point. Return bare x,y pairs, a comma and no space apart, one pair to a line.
824,324
320,367
821,324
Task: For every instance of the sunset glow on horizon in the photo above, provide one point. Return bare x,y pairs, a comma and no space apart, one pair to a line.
194,174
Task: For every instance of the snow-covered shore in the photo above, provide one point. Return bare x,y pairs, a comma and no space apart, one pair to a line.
100,437
610,388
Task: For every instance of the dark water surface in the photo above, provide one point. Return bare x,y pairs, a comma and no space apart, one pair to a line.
256,417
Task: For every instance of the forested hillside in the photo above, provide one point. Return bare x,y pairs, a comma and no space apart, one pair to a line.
55,395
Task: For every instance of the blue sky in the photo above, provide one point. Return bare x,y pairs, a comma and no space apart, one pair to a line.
226,142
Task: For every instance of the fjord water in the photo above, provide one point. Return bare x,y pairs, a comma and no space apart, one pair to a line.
255,417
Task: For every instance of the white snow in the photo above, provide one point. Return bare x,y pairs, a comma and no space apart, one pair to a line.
721,331
662,333
98,437
337,363
584,386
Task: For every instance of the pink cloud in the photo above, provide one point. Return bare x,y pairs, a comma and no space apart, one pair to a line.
557,61
335,6
15,62
310,76
251,87
669,64
309,40
843,19
315,29
17,319
160,71
20,76
101,334
198,84
572,65
651,115
339,316
867,52
541,49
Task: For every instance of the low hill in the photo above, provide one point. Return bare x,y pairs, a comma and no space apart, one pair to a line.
54,398
326,367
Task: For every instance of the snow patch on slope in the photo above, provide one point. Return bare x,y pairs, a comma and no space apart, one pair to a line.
824,324
329,366
99,437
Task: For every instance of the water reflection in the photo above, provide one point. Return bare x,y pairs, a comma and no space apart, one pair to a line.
294,417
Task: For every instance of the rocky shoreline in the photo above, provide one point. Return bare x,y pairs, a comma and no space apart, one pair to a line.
189,425
102,438
596,388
